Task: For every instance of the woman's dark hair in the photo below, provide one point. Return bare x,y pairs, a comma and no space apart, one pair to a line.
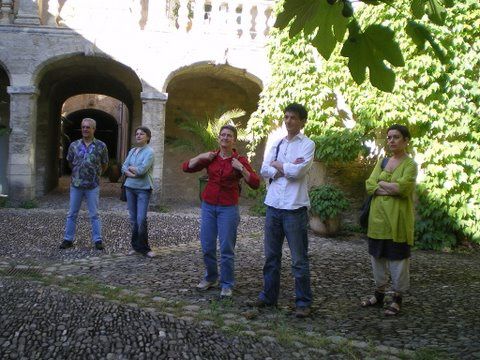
146,130
402,129
231,128
297,109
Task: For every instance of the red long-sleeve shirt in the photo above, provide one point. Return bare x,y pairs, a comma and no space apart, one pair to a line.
222,186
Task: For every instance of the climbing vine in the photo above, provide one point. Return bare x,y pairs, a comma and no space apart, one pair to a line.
439,102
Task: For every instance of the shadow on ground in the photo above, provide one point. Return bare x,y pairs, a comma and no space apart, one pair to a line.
85,303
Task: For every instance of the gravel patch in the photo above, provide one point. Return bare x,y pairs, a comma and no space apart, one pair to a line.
439,315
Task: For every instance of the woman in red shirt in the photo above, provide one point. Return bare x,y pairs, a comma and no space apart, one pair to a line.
220,214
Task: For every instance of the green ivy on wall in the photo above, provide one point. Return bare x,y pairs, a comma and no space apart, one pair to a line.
440,103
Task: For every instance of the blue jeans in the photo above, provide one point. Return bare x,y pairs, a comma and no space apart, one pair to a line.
291,224
91,197
221,221
137,203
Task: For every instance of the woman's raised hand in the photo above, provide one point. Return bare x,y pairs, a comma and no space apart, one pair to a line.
209,155
237,164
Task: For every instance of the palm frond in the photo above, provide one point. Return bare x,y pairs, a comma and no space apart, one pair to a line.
206,133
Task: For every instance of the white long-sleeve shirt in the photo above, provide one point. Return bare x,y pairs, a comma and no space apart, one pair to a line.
290,191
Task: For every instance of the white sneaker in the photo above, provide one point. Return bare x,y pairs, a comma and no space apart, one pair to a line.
150,254
205,285
226,293
132,252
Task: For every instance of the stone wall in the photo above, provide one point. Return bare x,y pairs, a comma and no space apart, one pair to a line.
55,63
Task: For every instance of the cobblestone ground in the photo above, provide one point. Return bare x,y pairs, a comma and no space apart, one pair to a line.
84,303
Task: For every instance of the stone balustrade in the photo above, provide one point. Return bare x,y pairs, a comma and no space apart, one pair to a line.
242,19
6,11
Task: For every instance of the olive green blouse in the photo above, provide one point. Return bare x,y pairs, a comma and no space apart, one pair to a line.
392,217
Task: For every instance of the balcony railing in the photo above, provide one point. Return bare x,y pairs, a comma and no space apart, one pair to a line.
243,19
6,11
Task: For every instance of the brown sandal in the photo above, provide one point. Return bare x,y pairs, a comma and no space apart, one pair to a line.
394,307
375,300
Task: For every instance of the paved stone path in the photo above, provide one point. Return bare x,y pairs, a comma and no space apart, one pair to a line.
83,303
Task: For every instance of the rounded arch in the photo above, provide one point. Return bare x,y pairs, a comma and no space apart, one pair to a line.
106,131
201,92
76,73
5,71
221,71
63,77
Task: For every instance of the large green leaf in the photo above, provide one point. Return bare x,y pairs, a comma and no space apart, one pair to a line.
435,9
332,28
383,41
418,8
371,48
303,13
420,35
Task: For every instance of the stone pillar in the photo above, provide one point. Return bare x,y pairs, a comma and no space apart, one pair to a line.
183,19
6,11
153,116
157,15
22,142
215,20
261,21
246,21
233,17
27,13
198,20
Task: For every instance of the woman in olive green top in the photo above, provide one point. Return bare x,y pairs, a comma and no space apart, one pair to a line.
391,220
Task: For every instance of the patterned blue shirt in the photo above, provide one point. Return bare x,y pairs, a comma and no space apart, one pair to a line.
86,162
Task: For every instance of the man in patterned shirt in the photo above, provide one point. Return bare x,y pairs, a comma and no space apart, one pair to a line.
88,159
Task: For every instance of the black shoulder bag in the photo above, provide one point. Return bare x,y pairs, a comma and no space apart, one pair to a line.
365,210
276,156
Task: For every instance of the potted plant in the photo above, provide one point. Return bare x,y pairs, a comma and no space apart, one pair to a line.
205,134
327,202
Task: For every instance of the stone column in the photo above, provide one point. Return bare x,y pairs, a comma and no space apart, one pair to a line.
157,15
22,142
27,13
198,20
261,21
6,11
246,20
183,16
153,116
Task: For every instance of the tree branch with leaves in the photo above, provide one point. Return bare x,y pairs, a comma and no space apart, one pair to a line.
324,24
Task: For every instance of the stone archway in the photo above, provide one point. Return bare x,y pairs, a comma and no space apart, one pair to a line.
201,91
107,129
4,128
63,78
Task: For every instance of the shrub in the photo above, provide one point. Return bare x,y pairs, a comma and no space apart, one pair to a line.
327,201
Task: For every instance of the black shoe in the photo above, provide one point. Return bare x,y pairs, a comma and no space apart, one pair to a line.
66,244
302,312
99,245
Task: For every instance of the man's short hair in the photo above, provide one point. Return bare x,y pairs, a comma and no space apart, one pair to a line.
92,122
297,109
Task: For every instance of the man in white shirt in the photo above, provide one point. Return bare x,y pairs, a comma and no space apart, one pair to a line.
286,165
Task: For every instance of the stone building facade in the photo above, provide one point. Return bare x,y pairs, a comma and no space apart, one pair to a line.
125,63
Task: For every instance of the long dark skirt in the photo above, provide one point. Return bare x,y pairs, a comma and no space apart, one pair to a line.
388,249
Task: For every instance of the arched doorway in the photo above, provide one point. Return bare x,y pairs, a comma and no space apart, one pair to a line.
66,77
201,91
107,129
4,128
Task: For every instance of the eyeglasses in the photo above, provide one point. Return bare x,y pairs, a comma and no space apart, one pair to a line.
86,127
